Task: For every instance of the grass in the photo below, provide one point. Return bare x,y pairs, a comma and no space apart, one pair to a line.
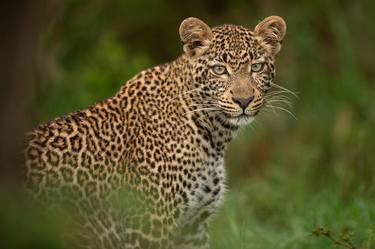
278,211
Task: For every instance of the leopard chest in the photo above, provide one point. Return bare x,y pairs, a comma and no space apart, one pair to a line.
203,194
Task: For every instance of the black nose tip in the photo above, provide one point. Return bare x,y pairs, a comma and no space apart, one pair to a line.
243,102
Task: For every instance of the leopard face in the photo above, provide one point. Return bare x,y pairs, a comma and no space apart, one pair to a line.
232,67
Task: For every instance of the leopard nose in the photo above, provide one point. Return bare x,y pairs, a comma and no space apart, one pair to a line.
243,102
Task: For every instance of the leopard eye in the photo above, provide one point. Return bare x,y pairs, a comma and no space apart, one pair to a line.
256,67
219,69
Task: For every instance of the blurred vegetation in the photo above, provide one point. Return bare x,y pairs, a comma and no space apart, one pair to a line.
286,176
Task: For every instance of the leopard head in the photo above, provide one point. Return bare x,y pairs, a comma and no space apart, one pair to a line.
230,67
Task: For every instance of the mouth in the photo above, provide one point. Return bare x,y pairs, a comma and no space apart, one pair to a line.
243,115
242,119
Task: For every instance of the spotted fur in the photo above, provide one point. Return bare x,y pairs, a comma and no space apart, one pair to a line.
145,168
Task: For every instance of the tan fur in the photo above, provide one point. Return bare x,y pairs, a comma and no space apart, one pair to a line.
271,32
145,168
192,30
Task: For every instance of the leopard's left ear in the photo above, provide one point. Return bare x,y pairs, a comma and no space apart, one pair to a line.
195,35
271,32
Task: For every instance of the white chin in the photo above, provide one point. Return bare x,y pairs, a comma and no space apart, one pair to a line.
241,121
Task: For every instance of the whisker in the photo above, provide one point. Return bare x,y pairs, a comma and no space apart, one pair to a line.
282,109
211,104
202,109
278,98
280,101
285,89
280,94
270,109
204,105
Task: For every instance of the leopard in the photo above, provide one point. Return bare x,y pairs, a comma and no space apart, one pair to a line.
145,167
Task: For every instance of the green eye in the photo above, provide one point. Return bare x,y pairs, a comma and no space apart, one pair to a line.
256,67
219,69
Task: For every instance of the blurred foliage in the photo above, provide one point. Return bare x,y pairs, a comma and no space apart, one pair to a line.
286,175
278,211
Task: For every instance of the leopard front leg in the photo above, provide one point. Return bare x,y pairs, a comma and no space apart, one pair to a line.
193,236
124,222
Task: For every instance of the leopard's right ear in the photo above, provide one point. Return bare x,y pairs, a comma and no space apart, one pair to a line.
271,32
195,35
